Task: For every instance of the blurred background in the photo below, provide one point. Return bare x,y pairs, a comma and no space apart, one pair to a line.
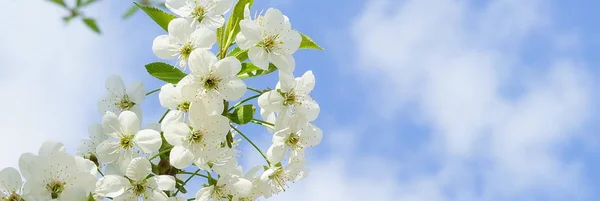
433,100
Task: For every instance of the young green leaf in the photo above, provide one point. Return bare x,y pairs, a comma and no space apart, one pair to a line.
61,3
165,72
88,2
78,3
91,23
233,24
308,43
132,10
160,17
90,197
67,19
243,114
238,53
250,70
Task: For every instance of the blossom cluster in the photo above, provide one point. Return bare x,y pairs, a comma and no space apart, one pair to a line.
199,134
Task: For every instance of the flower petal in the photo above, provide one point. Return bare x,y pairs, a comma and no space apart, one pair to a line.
180,157
229,66
176,132
273,21
10,180
275,153
232,89
271,101
220,7
212,22
147,140
165,47
129,122
284,62
138,169
114,84
164,182
179,7
259,57
169,96
180,29
137,92
203,38
201,61
108,151
306,83
111,186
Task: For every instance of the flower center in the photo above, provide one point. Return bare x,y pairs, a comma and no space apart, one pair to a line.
196,137
126,141
270,43
185,106
199,13
138,188
211,82
279,177
13,197
289,98
186,50
293,139
55,187
125,103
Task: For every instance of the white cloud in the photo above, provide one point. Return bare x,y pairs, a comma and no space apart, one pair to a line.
51,75
498,120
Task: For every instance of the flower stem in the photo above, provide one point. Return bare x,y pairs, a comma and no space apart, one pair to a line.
159,153
153,91
242,102
192,173
255,90
262,123
163,117
252,143
187,180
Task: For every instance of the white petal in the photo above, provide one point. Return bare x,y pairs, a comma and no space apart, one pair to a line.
309,108
232,89
10,180
180,29
286,81
110,124
201,61
164,182
165,47
176,132
229,66
169,96
25,165
275,153
251,31
203,38
217,127
180,157
311,135
242,186
273,21
284,62
108,151
197,113
179,7
138,169
114,84
221,7
271,101
73,192
306,83
129,122
204,194
111,185
291,41
212,22
137,92
171,117
259,57
147,140
51,147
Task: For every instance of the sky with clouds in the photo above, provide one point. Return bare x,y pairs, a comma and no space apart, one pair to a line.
437,100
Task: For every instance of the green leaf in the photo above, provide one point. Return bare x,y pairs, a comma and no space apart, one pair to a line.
243,114
165,72
250,70
78,3
238,53
91,23
229,139
160,17
88,2
60,3
67,19
91,197
308,43
233,24
130,11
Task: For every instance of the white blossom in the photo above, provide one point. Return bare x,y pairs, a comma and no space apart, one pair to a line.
121,99
202,13
291,96
136,185
269,39
293,134
182,40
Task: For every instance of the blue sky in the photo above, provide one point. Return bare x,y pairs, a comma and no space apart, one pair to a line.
420,99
